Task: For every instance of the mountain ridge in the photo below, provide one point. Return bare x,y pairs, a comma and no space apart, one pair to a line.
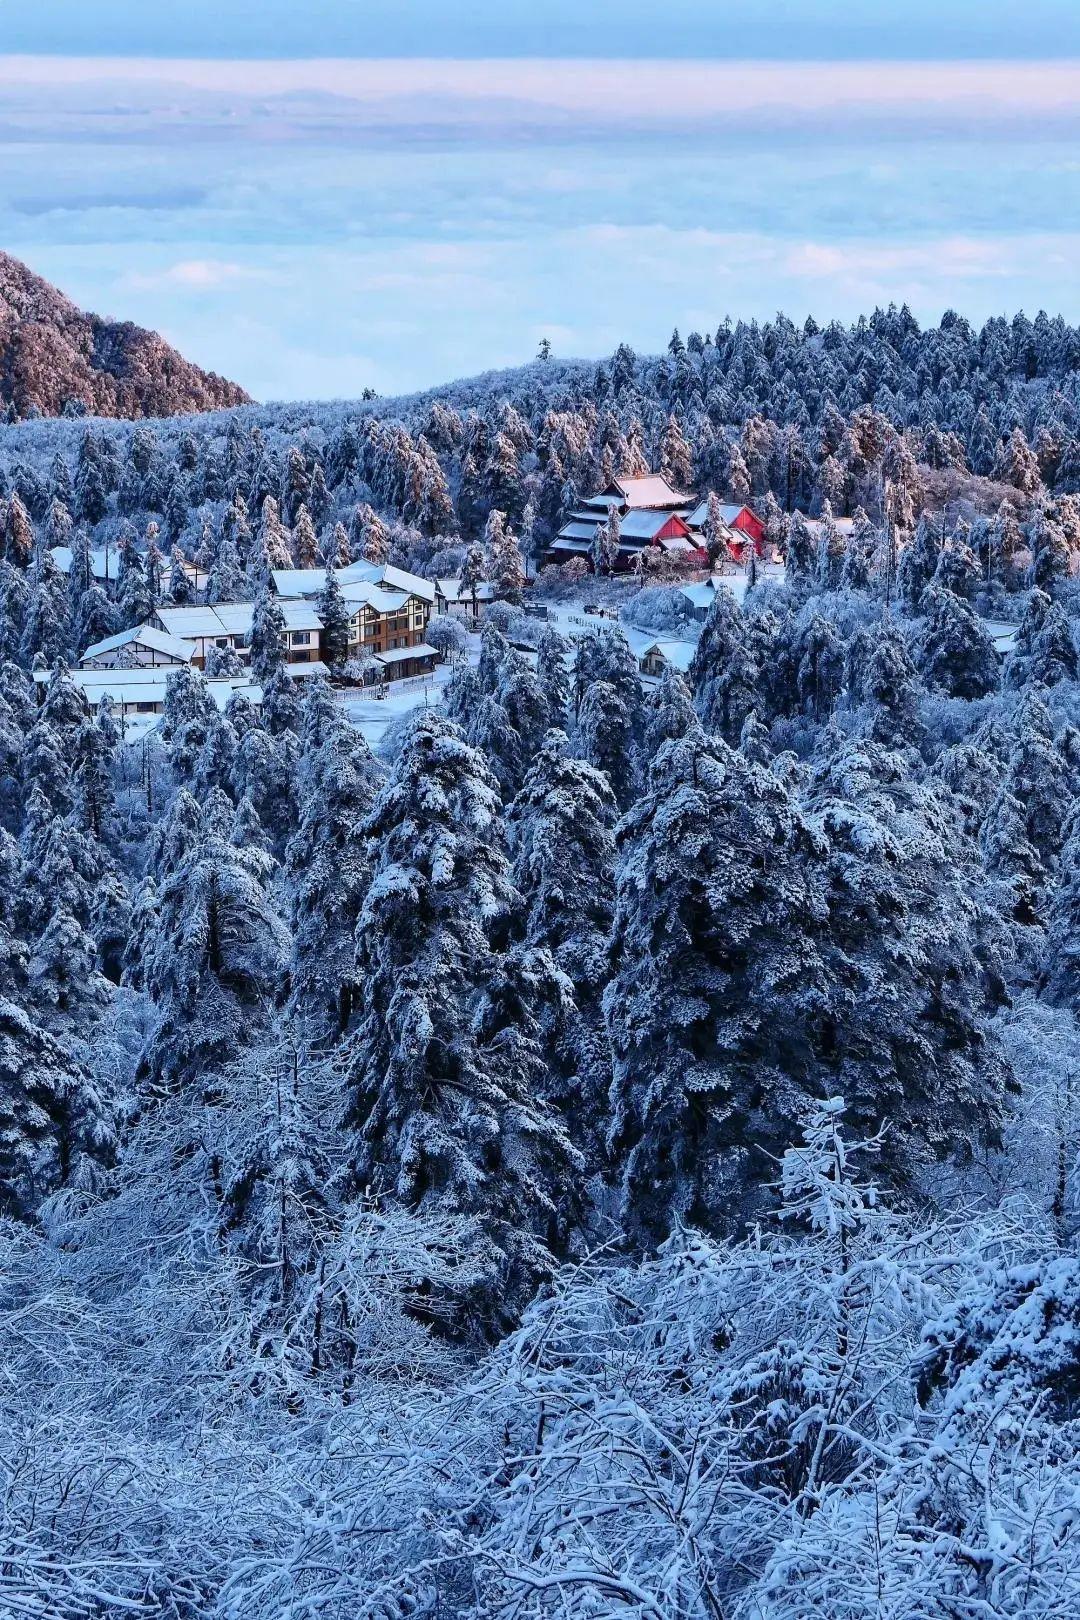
58,359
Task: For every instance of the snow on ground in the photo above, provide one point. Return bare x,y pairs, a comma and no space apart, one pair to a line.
373,710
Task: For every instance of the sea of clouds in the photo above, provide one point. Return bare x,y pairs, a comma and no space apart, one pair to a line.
312,227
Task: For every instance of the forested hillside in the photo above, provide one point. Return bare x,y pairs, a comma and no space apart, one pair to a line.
615,1152
56,360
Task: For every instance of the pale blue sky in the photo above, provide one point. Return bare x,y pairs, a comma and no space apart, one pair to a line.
312,227
794,29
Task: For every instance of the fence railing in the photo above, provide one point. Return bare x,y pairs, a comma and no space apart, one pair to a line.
378,691
592,621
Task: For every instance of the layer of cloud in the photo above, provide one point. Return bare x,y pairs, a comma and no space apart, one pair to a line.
200,275
423,101
294,226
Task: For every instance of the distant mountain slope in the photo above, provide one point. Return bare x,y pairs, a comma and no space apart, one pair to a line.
52,353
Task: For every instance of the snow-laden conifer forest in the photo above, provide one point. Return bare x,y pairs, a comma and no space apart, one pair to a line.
611,1151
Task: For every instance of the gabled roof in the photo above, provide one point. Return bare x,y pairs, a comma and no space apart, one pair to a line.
143,635
401,655
678,542
450,590
702,595
653,490
104,561
310,581
398,579
646,524
299,581
577,531
729,511
679,654
231,619
361,593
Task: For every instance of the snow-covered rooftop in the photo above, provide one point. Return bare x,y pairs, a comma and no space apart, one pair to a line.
401,655
651,490
133,686
104,561
645,524
729,511
582,533
360,593
679,654
231,619
310,581
450,590
143,635
701,595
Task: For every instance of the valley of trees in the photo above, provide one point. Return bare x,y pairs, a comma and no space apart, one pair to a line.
615,1152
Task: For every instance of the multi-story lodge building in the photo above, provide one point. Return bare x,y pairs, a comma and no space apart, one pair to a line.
228,626
389,611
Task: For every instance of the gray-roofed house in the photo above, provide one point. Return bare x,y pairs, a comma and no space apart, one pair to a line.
141,647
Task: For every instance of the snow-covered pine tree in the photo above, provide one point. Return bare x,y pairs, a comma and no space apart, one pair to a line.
1051,554
717,548
859,553
305,541
891,685
907,1031
604,735
46,631
328,864
954,652
720,978
441,1127
676,458
472,574
51,1115
724,674
831,552
273,537
190,712
18,533
1045,649
919,562
800,554
217,961
267,639
335,621
226,581
554,677
671,713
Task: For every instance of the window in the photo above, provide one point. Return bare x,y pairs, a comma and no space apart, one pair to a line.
222,641
301,638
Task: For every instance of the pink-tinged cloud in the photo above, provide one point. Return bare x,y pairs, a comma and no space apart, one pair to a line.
198,275
634,91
